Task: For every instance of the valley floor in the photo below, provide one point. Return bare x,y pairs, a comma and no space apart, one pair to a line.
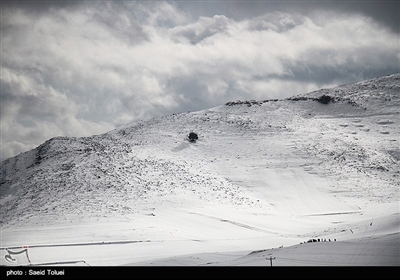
212,236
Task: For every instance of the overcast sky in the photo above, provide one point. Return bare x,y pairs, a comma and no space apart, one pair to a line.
78,68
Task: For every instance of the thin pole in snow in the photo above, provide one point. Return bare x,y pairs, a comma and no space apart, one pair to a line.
270,259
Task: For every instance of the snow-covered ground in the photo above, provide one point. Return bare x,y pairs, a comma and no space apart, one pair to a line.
263,177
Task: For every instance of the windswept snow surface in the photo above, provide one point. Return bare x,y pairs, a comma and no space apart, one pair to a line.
262,175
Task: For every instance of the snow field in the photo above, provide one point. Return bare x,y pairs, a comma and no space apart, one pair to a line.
262,175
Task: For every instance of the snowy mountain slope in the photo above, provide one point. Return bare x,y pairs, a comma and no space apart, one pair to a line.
262,174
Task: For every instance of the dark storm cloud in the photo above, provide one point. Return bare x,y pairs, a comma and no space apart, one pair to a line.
81,68
385,12
343,66
40,5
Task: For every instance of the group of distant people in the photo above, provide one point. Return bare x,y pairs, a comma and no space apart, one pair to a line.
318,240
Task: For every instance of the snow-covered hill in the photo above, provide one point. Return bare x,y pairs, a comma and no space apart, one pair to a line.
262,174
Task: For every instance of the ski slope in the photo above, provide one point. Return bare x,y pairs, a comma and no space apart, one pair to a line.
262,175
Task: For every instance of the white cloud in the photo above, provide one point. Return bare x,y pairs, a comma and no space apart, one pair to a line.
82,70
202,29
276,22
